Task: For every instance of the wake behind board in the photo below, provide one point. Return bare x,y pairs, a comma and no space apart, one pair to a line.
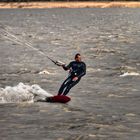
58,99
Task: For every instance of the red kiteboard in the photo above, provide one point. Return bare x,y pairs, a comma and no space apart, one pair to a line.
58,98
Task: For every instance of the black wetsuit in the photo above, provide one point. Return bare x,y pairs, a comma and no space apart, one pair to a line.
76,69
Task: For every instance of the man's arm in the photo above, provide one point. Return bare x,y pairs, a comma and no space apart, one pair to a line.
66,67
83,71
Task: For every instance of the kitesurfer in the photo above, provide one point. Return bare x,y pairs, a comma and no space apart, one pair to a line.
77,69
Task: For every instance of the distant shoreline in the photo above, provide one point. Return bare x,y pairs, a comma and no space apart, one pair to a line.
68,4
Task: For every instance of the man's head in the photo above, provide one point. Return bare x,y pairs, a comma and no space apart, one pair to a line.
78,57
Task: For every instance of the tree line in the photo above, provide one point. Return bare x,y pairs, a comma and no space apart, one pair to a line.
58,0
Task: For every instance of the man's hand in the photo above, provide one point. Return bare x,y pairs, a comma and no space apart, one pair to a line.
75,79
59,63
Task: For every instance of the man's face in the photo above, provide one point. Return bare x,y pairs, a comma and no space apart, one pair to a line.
78,58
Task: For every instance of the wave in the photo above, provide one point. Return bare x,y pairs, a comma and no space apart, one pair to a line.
22,93
129,74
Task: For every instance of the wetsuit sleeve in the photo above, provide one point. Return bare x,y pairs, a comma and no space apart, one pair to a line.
83,71
67,67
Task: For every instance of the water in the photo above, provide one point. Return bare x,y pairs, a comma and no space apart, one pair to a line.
104,105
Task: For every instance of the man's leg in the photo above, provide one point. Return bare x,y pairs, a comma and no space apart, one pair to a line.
72,84
64,85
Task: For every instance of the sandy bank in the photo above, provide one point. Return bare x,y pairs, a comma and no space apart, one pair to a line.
69,4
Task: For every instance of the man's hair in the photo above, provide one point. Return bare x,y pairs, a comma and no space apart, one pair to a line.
78,54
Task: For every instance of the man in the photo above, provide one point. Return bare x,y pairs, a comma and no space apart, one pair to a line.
77,69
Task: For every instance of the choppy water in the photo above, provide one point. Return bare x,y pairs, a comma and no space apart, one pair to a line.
105,104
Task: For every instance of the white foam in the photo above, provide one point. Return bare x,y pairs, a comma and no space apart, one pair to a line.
129,74
44,72
22,93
